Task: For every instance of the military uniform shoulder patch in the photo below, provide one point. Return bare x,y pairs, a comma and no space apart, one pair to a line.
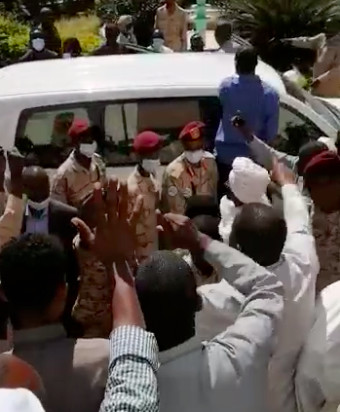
172,191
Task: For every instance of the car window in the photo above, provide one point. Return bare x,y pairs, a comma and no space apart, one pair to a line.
42,133
295,129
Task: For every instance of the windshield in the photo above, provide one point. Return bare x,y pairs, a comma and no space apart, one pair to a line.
333,113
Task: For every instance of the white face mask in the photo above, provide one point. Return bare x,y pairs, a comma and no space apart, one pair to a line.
38,205
194,157
88,149
38,44
157,43
151,165
67,56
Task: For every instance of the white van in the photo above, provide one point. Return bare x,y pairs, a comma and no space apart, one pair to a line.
121,96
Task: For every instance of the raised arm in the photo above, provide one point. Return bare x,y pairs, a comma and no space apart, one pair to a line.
11,220
132,382
300,241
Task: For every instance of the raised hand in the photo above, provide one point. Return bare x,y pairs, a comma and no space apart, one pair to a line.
114,238
281,174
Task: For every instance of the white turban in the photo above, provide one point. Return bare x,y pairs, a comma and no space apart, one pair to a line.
19,400
249,181
329,143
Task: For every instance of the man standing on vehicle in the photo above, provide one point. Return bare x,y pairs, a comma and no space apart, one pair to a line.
172,21
75,178
143,182
192,173
37,50
257,102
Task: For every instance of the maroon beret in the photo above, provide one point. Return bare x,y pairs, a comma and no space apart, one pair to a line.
323,162
192,131
147,142
78,127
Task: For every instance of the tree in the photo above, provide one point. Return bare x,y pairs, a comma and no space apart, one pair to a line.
265,22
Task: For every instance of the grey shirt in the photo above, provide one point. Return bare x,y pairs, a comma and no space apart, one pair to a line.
74,371
230,371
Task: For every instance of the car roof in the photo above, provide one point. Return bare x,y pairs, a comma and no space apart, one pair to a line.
125,72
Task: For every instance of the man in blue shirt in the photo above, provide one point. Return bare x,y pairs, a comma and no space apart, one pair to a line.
257,103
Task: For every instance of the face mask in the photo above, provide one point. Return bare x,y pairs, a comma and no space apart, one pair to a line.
158,43
38,205
38,44
88,149
151,165
194,157
67,56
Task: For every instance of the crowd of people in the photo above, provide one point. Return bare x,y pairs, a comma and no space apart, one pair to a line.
213,287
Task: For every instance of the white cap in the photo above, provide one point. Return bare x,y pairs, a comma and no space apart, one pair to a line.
249,181
19,400
329,143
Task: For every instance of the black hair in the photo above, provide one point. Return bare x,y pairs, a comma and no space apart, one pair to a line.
260,232
202,205
71,44
166,288
246,60
223,31
32,267
307,152
208,225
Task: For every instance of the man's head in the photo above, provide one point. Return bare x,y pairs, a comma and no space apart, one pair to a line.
192,138
36,185
46,16
322,179
166,289
202,205
248,181
307,152
111,33
196,43
32,272
37,40
147,145
223,31
246,60
72,47
125,24
259,231
82,138
207,225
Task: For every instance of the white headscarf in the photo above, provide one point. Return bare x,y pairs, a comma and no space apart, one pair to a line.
19,400
248,181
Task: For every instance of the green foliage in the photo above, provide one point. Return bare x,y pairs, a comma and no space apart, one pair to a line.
84,28
137,8
263,21
13,37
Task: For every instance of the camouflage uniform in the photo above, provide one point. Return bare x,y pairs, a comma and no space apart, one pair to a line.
93,308
326,229
181,181
73,182
147,235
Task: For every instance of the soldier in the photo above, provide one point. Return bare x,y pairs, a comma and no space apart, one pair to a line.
172,21
75,178
194,172
142,181
37,50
